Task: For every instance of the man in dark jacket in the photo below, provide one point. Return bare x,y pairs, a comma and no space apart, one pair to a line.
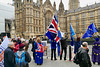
84,56
9,56
63,47
53,49
33,47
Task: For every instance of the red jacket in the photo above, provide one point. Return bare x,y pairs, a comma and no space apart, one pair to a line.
16,47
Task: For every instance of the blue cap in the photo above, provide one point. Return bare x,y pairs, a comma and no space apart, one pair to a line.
97,39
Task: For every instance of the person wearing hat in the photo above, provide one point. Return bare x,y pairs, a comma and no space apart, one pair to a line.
96,51
9,56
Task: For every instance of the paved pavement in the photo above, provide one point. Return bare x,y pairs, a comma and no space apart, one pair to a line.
58,63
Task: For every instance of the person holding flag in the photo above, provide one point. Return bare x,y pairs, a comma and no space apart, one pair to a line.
71,47
63,47
3,46
72,34
54,35
39,52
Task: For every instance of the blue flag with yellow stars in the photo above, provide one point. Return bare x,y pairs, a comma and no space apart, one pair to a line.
90,31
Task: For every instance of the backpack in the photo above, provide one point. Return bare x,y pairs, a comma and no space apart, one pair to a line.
20,59
76,58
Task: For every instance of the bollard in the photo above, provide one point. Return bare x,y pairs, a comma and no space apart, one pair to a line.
69,53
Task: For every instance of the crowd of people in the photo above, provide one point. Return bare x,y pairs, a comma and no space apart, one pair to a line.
16,55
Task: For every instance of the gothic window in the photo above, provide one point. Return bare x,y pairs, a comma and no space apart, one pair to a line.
77,17
39,29
30,11
33,13
27,0
83,15
77,27
27,10
30,20
36,22
98,12
39,22
61,19
91,14
17,5
98,16
70,18
28,28
30,0
36,29
39,14
27,20
83,26
36,13
31,29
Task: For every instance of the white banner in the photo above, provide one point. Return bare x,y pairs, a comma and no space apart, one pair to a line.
3,46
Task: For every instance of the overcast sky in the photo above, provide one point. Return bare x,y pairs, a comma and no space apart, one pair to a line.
66,2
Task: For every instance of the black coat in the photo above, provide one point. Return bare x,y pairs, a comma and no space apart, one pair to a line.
63,43
84,58
9,58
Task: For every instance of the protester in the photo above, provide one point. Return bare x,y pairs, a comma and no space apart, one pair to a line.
30,41
22,57
16,46
63,47
77,45
96,51
84,56
53,49
39,52
58,46
9,56
33,47
18,41
26,46
0,41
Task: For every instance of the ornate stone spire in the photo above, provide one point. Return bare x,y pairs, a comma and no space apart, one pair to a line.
61,7
54,6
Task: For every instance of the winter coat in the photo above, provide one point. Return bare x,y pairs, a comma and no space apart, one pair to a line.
9,58
33,46
53,44
84,58
63,43
16,47
77,46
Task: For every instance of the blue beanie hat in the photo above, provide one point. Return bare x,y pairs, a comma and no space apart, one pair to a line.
97,39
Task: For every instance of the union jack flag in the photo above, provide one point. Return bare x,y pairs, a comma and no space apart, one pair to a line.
52,32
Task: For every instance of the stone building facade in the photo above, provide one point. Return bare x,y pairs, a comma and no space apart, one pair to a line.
82,17
32,19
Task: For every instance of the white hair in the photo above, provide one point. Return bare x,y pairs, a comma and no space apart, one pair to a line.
84,44
10,44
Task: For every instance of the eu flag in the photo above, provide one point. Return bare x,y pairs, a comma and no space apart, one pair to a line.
90,31
72,33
